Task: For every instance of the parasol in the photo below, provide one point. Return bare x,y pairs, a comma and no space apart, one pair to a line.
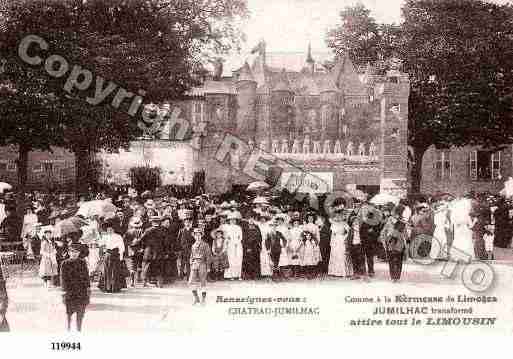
69,225
101,208
257,186
4,186
384,198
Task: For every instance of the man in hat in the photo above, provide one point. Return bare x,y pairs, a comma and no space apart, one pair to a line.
185,241
251,247
75,286
370,229
200,261
153,242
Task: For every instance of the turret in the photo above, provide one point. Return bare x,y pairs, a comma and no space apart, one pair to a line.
246,97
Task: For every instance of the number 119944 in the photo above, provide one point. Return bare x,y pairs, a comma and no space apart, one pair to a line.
65,346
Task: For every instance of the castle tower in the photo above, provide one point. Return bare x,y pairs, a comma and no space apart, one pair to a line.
282,111
245,88
330,98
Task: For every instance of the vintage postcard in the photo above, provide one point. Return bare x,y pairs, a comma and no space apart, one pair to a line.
252,166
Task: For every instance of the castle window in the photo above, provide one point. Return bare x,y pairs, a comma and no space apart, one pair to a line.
48,166
485,165
11,166
443,165
3,166
197,111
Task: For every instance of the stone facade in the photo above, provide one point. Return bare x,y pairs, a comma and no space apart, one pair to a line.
461,170
45,169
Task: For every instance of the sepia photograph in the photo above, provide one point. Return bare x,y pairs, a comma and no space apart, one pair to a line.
255,166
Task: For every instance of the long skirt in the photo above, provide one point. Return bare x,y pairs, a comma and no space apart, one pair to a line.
340,263
235,262
111,276
266,266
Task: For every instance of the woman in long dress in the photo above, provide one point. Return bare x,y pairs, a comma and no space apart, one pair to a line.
440,242
91,237
294,245
233,248
340,261
112,278
266,265
462,247
29,222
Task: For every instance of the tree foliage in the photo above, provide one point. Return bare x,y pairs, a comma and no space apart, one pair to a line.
154,48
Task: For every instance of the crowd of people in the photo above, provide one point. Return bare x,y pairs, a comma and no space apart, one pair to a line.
148,240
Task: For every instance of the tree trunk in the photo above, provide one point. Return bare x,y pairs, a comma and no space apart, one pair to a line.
82,171
416,170
22,165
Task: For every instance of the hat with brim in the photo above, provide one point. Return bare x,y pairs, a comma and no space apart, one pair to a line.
150,204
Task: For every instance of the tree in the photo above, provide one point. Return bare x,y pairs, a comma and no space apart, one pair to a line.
361,38
458,57
151,48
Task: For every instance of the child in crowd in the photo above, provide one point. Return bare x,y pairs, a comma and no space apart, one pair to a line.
48,267
219,258
488,238
201,260
75,285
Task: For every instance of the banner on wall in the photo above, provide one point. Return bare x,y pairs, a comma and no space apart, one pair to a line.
307,182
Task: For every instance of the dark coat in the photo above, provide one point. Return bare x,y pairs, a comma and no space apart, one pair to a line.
273,243
153,241
251,247
186,240
75,279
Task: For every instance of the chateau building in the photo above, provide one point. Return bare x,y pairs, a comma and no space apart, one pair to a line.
341,127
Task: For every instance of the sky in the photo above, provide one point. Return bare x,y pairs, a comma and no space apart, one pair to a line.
289,25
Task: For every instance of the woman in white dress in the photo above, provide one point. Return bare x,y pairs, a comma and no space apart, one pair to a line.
340,261
462,247
266,265
91,237
233,234
29,222
439,243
